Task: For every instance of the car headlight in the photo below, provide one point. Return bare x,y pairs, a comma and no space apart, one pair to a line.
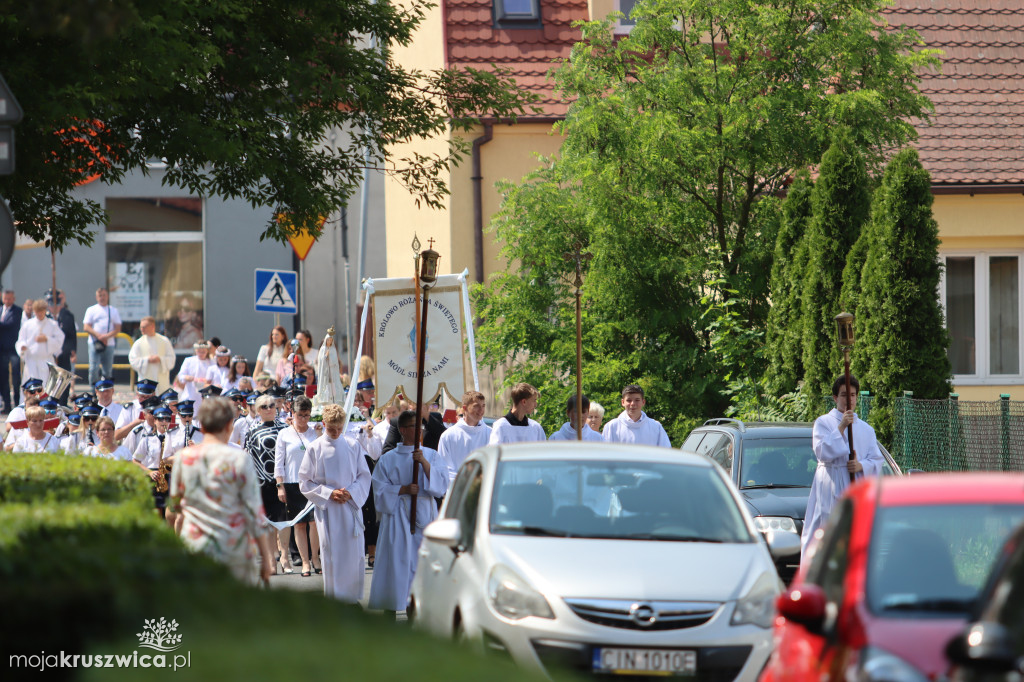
758,606
776,524
878,665
512,597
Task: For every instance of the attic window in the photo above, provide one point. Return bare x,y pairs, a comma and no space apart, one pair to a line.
517,13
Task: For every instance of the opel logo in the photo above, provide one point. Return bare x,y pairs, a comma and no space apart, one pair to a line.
643,615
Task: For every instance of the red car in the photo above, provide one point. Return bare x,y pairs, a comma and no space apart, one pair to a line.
893,578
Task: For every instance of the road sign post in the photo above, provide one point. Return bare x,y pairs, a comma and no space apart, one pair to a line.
277,291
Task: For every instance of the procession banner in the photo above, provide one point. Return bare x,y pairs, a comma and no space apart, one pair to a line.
394,339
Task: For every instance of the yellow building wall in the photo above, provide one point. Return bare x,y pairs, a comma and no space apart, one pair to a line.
511,154
402,216
984,221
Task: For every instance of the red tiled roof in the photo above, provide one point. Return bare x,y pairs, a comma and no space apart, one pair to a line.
976,135
472,40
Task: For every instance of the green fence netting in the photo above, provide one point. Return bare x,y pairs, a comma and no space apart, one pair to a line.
958,435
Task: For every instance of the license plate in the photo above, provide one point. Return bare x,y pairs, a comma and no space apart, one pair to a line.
644,661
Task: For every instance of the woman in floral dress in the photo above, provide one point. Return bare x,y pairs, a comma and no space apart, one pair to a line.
216,488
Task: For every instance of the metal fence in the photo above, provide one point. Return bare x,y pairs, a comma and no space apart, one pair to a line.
958,435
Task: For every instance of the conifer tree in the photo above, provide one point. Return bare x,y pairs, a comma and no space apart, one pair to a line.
841,203
903,338
784,338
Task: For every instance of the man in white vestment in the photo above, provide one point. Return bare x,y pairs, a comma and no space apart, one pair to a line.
468,434
39,342
568,430
397,546
831,445
633,425
516,426
334,476
152,355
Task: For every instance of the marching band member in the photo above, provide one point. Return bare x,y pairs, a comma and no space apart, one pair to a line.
35,438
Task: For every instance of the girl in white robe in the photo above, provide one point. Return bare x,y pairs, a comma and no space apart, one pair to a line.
397,547
336,462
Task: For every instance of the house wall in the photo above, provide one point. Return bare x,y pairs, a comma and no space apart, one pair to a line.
981,223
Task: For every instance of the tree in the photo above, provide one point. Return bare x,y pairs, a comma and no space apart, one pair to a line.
789,268
841,202
239,99
904,339
680,138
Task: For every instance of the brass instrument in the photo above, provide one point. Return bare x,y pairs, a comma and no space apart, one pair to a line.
57,381
163,468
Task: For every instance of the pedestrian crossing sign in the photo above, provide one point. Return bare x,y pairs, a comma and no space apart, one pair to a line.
277,291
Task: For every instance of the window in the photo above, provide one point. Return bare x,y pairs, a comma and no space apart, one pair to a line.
517,13
981,297
155,266
626,23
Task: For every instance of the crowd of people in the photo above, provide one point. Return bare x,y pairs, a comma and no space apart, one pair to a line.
256,466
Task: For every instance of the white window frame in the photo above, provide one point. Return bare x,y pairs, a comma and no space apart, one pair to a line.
621,28
983,377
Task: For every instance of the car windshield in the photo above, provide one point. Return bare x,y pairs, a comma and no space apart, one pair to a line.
620,500
777,463
932,560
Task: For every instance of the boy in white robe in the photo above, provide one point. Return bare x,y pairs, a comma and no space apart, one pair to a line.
397,546
468,434
516,426
633,425
334,476
568,431
39,342
831,445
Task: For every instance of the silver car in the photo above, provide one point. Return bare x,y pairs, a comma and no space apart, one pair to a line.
601,558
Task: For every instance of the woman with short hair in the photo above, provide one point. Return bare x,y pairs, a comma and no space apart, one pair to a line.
261,444
35,438
215,487
107,447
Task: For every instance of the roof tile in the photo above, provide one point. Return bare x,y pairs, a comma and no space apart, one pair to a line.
472,40
976,134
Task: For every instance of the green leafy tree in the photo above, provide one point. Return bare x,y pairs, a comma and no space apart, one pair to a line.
241,99
679,140
789,268
903,340
841,203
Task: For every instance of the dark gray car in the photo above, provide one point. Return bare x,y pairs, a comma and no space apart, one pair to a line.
772,464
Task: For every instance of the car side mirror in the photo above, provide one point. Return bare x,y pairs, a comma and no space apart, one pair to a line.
447,532
804,604
983,646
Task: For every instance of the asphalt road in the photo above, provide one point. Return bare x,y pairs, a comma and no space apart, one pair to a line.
315,583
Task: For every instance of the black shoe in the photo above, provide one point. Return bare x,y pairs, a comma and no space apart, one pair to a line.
296,560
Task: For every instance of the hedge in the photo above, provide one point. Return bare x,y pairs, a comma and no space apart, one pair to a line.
66,479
